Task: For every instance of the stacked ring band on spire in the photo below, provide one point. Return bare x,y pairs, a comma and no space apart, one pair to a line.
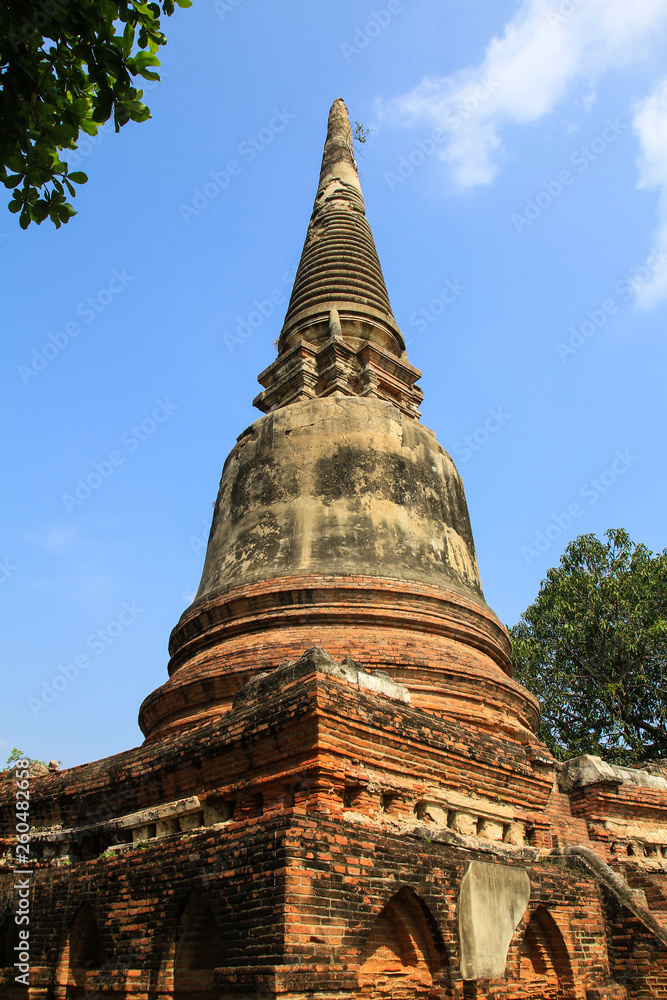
339,260
340,334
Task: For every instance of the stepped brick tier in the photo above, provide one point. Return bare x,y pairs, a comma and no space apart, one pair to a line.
341,793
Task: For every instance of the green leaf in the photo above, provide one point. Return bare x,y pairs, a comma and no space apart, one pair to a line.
16,161
128,39
146,59
64,213
40,210
78,176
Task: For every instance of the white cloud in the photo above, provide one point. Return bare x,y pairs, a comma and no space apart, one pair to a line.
650,125
544,50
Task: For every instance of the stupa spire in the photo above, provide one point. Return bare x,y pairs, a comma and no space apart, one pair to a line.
338,157
339,333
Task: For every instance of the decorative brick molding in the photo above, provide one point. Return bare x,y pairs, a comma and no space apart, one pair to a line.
451,654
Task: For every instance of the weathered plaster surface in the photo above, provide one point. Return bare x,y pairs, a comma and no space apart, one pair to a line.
341,485
492,902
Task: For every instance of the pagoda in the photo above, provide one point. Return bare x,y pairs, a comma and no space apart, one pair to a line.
340,792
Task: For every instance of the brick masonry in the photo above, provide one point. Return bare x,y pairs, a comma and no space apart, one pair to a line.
312,843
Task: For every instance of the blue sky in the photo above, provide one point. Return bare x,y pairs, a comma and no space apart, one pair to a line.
515,180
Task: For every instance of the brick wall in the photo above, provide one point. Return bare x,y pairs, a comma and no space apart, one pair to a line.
303,865
311,905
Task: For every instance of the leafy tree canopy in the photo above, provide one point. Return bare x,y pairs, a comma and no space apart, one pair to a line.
593,648
67,66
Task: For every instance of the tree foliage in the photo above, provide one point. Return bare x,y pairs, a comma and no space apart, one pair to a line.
360,133
17,755
67,66
593,648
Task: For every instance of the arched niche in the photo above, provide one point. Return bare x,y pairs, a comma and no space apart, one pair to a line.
404,956
544,959
9,939
197,948
82,956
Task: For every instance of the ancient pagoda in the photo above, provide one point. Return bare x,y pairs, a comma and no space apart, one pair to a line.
340,793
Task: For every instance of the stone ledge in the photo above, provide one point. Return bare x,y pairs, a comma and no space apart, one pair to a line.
266,685
496,848
581,772
145,817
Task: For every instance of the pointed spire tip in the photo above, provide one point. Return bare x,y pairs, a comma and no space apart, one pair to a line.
338,146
